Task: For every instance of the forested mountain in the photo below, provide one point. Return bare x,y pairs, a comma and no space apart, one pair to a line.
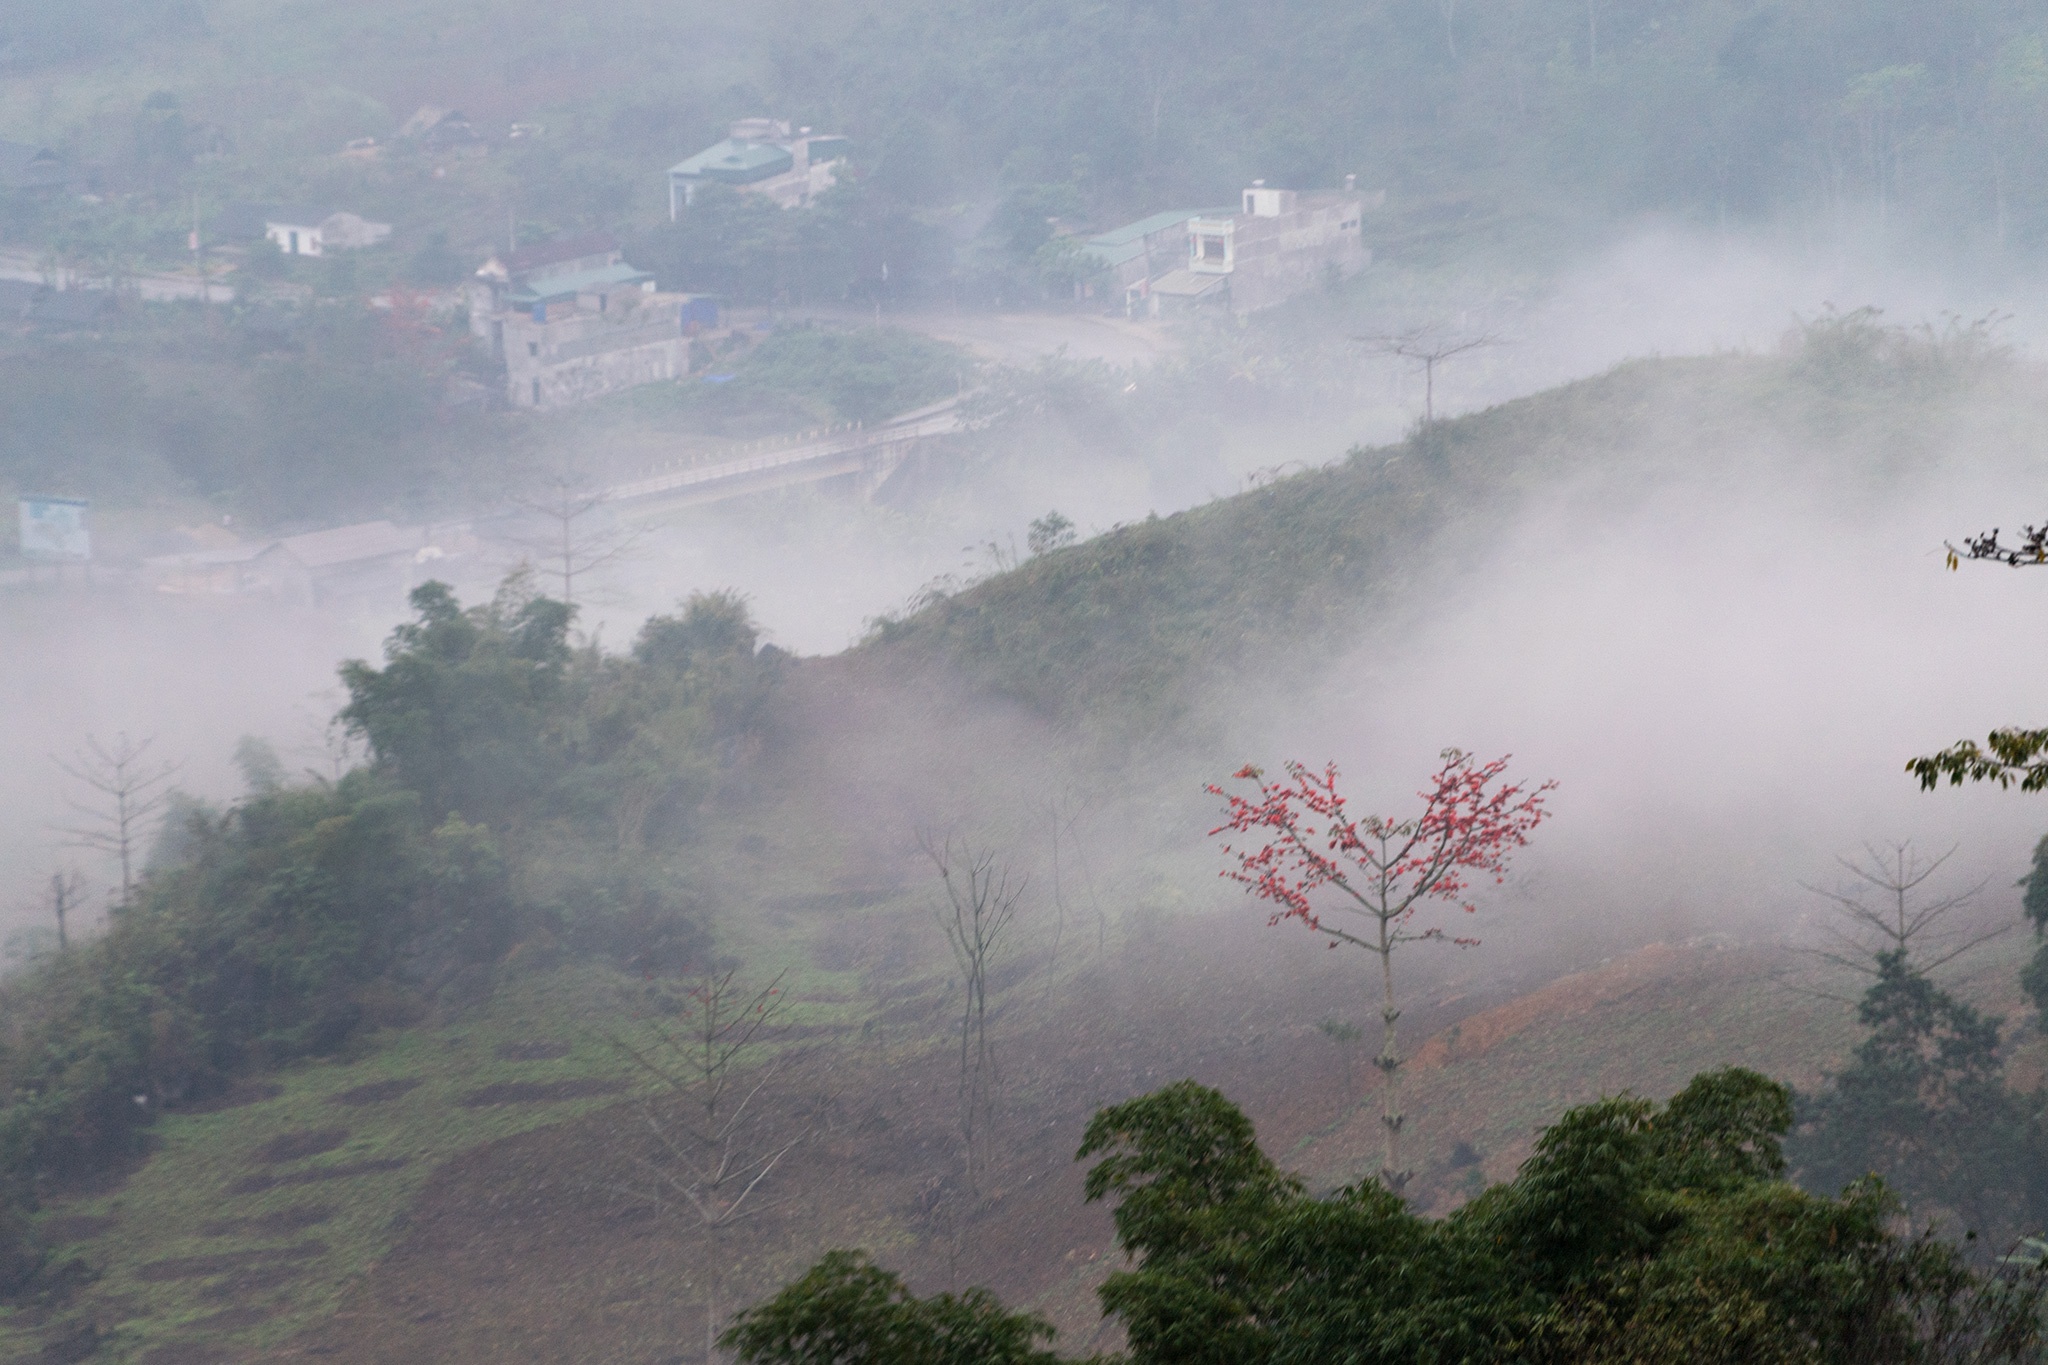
1905,112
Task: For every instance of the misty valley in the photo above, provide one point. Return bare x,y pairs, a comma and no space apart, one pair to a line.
967,685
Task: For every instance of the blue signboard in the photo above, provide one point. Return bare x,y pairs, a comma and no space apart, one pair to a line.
55,529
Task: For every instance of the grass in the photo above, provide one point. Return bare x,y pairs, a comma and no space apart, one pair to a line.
198,1195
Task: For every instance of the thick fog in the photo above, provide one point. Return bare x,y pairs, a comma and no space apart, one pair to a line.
1725,674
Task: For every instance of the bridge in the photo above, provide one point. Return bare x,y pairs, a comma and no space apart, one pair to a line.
871,452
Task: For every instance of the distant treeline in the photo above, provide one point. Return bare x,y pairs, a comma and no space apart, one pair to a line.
1923,113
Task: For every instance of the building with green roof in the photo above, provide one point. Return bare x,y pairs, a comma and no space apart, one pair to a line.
762,157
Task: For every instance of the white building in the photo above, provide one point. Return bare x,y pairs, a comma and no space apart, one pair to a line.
310,232
1282,243
761,157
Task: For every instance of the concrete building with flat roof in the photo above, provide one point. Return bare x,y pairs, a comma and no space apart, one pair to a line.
1272,245
760,156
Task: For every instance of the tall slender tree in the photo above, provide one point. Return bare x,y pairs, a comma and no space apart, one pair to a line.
1382,871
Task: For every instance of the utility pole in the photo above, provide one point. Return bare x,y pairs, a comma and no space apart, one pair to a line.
1428,346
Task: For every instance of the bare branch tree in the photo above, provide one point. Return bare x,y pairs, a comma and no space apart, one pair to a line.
981,901
1885,911
130,792
66,893
1430,346
569,549
708,1154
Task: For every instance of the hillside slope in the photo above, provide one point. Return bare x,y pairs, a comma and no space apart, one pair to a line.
459,1188
1125,632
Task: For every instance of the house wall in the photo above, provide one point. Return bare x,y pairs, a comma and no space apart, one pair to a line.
582,354
293,239
1274,258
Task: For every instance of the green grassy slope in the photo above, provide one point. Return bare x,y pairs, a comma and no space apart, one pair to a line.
1123,633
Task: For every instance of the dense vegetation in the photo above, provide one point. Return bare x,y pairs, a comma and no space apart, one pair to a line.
274,415
973,124
1636,1232
521,788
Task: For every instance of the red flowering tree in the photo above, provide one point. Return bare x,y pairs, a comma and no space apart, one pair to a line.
1365,881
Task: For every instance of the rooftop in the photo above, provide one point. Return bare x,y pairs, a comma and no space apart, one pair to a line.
1128,242
295,215
561,249
576,282
350,544
25,164
735,163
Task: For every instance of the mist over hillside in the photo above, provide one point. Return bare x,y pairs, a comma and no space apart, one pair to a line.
657,554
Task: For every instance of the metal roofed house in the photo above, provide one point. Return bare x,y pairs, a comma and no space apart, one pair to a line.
760,156
319,566
573,320
312,232
530,268
24,166
1136,254
435,129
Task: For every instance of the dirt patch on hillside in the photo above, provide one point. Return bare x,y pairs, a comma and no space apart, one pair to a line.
221,1263
257,1184
235,1097
531,1249
540,1092
377,1092
295,1219
300,1145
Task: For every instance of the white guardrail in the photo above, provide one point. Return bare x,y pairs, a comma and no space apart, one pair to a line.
937,420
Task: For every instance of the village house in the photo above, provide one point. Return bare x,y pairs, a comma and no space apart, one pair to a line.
371,558
572,320
1135,254
310,232
1275,245
24,166
761,157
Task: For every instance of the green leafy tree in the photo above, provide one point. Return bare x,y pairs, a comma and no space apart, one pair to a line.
467,710
1634,1232
848,1311
1923,1104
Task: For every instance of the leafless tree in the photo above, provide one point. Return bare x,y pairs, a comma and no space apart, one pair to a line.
1063,813
127,791
1883,910
982,893
67,890
1429,346
708,1153
569,547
